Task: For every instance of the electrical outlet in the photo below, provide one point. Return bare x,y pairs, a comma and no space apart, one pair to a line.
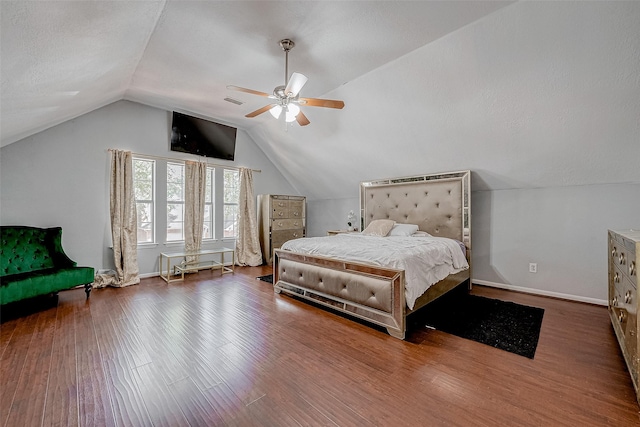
533,267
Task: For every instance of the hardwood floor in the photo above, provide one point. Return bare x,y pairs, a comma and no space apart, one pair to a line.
228,351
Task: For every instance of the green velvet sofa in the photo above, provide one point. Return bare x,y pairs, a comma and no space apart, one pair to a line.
32,263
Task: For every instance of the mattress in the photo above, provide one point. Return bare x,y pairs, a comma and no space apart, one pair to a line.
425,259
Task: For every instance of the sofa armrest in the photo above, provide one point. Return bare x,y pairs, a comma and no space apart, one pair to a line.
60,258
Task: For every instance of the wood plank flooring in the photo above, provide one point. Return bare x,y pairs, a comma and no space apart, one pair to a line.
227,351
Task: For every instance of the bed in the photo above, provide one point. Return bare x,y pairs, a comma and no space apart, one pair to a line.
439,204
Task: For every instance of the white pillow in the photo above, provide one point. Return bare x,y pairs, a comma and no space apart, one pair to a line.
379,227
403,230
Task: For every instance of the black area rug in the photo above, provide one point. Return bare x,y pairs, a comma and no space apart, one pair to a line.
500,324
268,278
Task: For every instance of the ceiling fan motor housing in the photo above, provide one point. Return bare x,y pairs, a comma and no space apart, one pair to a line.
287,44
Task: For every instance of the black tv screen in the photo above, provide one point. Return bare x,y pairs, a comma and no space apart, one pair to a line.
202,137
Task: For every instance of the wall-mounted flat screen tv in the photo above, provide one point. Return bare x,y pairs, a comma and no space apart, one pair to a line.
202,137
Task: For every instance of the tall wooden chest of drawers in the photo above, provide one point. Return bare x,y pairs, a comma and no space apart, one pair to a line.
280,218
624,258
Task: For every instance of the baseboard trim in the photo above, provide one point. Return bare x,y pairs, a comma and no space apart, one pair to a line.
540,292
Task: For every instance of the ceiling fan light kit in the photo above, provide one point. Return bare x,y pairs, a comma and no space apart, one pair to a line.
287,97
291,111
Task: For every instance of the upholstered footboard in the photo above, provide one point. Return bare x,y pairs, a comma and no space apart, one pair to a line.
375,294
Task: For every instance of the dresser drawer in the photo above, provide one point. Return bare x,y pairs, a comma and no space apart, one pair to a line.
611,273
278,237
296,208
624,306
280,209
623,257
629,323
286,224
618,309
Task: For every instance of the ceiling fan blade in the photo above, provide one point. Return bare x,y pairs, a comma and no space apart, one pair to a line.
243,89
317,102
261,110
296,82
302,119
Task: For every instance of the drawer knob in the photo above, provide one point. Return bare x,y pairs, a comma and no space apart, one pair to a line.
296,214
280,224
614,301
280,213
614,251
616,277
622,316
627,297
632,268
621,258
295,234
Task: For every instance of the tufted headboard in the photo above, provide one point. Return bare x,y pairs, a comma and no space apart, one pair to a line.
439,204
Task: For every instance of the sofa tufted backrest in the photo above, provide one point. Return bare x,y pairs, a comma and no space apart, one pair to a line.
24,249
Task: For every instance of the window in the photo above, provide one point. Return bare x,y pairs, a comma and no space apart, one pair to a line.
207,228
175,202
231,197
143,179
163,208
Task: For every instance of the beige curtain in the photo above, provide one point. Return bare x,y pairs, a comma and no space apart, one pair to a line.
247,246
195,186
123,223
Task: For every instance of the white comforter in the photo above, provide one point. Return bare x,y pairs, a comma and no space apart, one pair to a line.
425,260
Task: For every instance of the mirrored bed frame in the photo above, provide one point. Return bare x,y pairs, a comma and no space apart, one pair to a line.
439,204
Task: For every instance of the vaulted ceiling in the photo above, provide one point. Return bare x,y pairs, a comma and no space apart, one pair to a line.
526,94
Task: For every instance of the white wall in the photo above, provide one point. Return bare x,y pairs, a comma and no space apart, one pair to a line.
60,177
562,229
324,215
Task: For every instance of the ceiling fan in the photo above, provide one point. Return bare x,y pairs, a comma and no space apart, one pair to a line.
287,98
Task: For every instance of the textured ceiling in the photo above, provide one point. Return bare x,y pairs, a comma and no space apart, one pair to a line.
525,94
64,59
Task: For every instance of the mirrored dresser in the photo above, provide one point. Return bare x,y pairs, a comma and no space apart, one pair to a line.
280,218
624,257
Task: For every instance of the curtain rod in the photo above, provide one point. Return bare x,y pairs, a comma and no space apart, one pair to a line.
183,160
